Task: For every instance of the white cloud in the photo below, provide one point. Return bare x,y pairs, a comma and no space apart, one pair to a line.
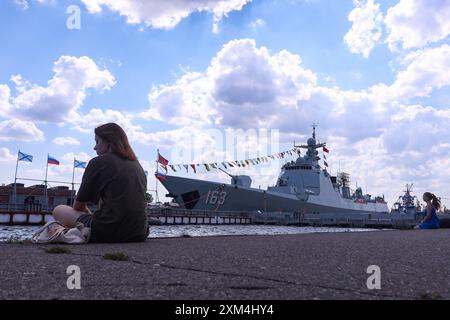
25,4
417,23
366,28
86,123
5,94
188,96
6,156
62,141
248,87
22,3
242,82
409,24
417,140
68,157
18,130
165,14
258,23
63,95
417,128
159,14
425,72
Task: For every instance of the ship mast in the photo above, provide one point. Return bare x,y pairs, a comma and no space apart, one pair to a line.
313,143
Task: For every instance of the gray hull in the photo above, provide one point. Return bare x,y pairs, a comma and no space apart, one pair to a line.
206,195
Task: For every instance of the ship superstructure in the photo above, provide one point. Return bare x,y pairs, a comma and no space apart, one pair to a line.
406,203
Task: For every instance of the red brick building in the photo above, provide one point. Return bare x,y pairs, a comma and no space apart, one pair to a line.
34,196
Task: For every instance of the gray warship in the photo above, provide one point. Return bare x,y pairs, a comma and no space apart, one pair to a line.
302,186
407,203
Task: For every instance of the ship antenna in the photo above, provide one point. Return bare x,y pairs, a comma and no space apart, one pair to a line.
314,130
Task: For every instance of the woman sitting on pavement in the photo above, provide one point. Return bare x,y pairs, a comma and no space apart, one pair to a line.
117,183
431,221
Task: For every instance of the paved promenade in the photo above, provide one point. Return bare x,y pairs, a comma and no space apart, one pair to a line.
414,264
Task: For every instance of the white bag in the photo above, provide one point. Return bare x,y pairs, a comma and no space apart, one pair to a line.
55,232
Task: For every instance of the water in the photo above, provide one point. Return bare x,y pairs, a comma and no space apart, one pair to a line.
164,231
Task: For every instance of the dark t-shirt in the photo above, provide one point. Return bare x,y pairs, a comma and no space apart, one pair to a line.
119,187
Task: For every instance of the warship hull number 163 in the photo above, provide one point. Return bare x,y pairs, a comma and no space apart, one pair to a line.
302,186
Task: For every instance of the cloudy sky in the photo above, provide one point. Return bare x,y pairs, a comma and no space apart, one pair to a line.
216,80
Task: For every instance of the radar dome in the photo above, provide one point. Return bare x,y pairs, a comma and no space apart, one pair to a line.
311,142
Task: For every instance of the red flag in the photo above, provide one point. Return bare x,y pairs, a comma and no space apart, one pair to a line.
162,160
325,150
193,167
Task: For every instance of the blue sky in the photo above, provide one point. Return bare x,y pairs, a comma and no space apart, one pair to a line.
370,73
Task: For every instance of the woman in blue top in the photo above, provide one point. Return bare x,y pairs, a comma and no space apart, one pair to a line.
431,221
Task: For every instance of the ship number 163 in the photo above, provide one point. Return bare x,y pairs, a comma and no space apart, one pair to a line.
216,197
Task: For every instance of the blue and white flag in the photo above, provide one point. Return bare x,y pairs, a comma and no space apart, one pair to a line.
79,164
25,157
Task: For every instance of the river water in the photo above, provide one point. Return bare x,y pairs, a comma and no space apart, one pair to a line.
164,231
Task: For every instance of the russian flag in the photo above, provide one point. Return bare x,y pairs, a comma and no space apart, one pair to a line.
160,175
52,160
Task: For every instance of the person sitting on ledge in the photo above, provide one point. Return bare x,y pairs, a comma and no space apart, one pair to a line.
431,221
116,181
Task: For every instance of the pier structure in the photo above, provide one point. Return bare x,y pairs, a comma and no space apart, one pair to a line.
172,216
22,217
183,216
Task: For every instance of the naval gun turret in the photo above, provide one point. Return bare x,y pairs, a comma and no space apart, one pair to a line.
239,180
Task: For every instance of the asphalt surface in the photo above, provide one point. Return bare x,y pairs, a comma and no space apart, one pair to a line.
414,264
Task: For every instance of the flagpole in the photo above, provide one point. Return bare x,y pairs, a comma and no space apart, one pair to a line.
73,178
45,181
156,180
15,182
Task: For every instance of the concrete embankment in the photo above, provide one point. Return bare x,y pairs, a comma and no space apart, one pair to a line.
414,264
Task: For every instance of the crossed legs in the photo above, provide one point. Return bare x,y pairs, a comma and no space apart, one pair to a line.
66,215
